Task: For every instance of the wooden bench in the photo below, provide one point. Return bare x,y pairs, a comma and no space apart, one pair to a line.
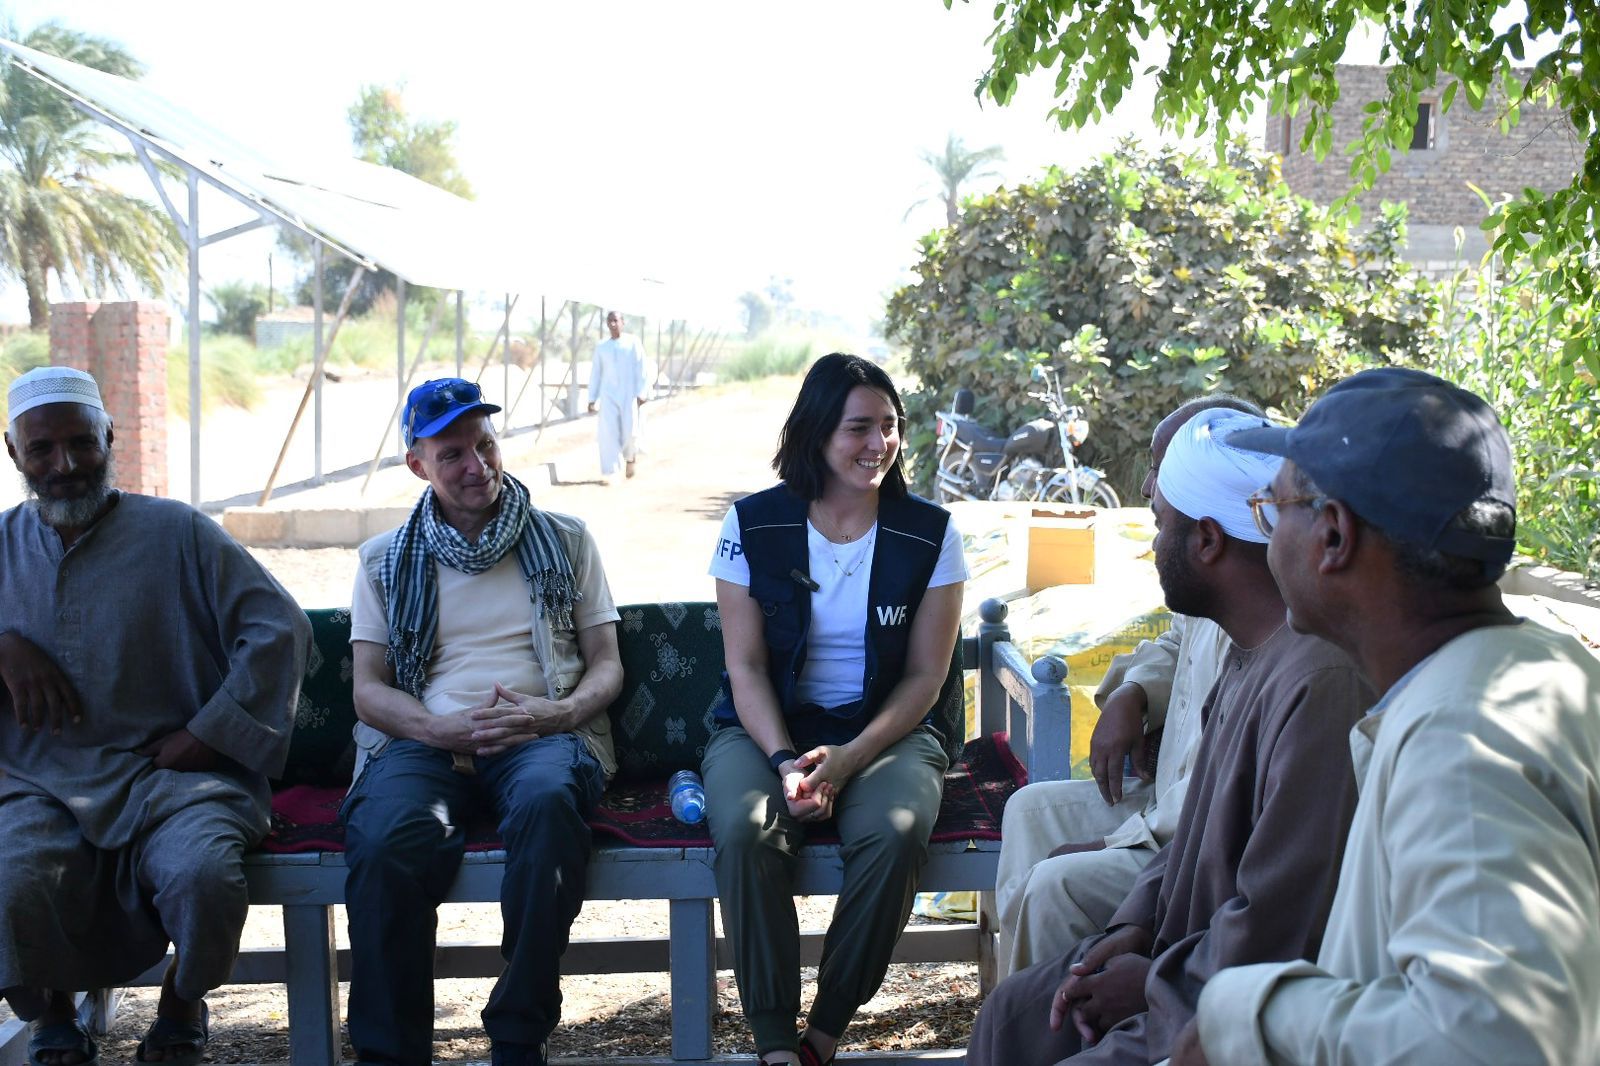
672,659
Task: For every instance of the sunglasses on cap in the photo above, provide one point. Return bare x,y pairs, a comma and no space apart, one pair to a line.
440,397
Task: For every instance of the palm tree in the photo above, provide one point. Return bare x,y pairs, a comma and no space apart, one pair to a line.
956,166
56,213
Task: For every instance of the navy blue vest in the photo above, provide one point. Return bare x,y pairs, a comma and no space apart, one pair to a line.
772,526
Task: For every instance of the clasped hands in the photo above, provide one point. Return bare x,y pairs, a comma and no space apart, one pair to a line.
812,781
504,719
1106,986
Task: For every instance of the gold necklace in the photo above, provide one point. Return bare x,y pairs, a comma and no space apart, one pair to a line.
866,553
834,532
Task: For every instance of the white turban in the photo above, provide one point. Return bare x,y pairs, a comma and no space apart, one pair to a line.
51,384
1203,477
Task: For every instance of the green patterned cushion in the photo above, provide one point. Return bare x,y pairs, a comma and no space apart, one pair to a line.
322,750
672,673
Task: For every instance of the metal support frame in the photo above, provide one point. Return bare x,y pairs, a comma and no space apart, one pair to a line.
460,335
192,238
505,368
400,363
316,375
319,353
188,227
404,379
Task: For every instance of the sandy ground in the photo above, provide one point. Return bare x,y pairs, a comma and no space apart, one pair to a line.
656,531
656,534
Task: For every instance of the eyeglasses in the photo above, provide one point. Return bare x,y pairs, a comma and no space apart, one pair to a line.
442,396
1264,507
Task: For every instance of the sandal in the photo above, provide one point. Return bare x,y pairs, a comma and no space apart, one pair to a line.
59,1038
166,1034
809,1056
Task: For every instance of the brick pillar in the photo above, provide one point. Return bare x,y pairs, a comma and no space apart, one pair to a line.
124,345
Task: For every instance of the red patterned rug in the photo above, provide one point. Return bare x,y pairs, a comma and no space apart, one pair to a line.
306,818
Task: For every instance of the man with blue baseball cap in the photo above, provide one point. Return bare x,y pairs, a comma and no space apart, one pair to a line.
1466,927
485,647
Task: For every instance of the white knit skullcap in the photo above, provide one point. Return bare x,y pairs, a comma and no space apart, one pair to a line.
51,384
1203,477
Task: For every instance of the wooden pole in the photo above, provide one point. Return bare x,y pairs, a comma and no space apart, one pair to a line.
405,387
316,375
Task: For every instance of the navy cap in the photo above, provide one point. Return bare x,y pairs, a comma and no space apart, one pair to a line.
435,404
1408,452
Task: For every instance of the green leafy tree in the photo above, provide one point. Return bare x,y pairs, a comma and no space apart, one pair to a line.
757,313
238,304
57,213
1145,279
382,132
955,167
1224,57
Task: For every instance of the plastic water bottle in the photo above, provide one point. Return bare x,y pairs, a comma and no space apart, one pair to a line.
687,796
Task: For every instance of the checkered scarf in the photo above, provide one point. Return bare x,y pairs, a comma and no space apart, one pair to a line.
412,592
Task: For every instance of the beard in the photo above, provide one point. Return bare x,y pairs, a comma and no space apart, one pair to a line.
1180,587
72,513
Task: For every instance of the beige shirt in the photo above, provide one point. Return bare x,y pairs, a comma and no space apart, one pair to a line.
1176,671
487,633
1466,928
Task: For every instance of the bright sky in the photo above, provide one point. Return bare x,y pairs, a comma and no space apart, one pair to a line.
710,144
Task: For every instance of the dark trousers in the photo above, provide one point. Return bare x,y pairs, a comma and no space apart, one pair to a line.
405,821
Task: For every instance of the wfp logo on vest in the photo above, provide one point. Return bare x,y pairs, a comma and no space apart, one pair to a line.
892,616
729,549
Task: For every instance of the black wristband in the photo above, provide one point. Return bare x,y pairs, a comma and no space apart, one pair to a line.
779,757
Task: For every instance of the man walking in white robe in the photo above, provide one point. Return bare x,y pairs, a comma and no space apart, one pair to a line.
618,387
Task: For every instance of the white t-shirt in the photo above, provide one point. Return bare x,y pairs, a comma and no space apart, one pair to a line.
836,650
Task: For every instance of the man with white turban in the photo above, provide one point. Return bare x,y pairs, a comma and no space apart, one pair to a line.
149,672
1250,872
1071,850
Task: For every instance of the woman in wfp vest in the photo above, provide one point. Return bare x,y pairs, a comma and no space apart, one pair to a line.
840,595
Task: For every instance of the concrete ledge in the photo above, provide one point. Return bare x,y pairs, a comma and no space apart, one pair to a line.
328,527
1550,582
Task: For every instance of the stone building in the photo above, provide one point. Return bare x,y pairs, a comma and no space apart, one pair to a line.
1448,150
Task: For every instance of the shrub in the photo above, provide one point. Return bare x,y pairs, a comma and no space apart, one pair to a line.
238,305
227,374
1520,349
20,353
1145,279
767,356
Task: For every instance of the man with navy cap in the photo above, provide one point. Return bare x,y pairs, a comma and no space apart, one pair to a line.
1248,874
1466,928
151,670
485,651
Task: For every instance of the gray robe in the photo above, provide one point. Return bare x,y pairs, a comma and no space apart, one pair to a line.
161,622
1249,874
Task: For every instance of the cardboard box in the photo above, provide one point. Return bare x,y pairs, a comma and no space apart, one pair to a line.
1060,546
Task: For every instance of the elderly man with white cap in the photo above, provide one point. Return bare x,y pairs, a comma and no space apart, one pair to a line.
1249,872
150,673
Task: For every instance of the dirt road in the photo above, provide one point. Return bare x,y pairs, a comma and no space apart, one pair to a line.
656,531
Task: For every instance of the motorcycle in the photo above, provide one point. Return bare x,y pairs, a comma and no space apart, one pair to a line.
1038,461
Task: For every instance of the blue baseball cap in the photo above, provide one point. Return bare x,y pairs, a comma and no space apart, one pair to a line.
435,404
1408,452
